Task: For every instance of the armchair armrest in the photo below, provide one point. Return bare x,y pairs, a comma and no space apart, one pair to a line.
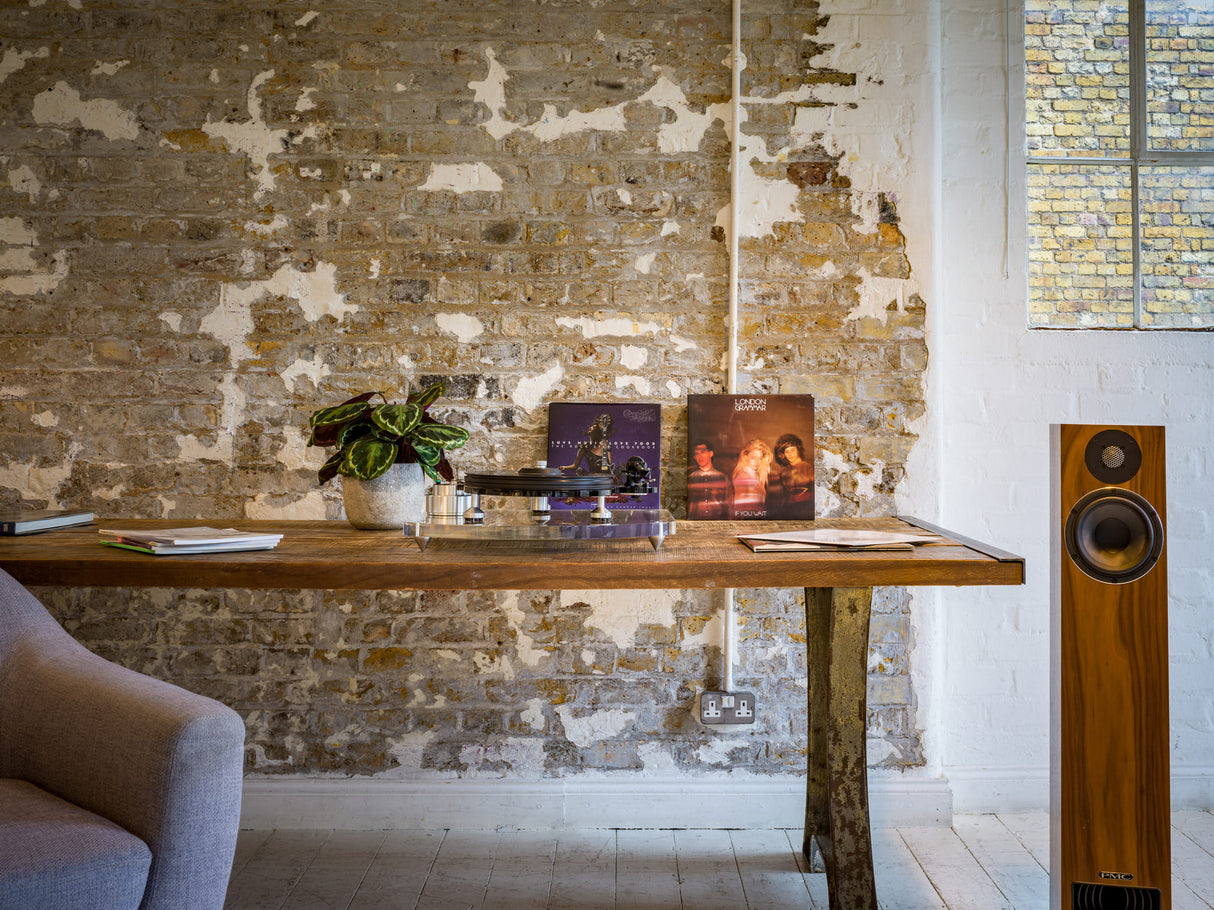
162,762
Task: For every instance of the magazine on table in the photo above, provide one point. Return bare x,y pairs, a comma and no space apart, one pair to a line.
166,541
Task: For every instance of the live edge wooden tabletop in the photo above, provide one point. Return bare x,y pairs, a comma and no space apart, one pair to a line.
333,555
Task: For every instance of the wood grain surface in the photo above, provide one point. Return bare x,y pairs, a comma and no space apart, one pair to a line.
333,555
1111,743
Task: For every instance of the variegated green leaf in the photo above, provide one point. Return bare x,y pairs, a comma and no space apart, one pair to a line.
339,413
368,458
397,419
427,396
441,435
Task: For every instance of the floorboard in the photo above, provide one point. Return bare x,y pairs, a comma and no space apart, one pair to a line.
984,862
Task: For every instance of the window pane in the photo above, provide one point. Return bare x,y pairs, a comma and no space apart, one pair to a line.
1180,75
1080,251
1177,220
1077,77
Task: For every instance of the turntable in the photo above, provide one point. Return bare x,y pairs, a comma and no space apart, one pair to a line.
457,514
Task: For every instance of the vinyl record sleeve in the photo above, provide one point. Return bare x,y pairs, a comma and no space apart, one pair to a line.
590,438
751,457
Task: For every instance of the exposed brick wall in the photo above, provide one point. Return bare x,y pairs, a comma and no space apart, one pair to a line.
216,220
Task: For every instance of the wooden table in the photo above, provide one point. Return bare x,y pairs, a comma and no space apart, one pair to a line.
838,598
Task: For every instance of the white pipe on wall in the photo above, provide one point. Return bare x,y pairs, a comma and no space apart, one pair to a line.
731,347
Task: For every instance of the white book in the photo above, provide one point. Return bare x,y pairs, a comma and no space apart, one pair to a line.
34,521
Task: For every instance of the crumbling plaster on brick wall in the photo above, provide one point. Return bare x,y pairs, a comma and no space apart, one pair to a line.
257,238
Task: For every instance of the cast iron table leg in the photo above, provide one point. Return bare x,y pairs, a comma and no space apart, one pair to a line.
836,795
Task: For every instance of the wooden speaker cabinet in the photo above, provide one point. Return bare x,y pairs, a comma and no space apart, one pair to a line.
1110,814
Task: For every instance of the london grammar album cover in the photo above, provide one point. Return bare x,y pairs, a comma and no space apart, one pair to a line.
751,457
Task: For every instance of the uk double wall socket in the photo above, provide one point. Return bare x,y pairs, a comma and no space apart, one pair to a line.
727,708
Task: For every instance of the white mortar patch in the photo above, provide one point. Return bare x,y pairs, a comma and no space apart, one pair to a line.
462,178
266,228
254,138
639,383
876,294
464,327
101,68
315,292
14,60
866,481
520,754
265,507
712,634
24,181
315,369
295,453
620,614
63,106
633,357
717,752
524,645
408,749
17,244
36,482
531,390
655,758
533,716
593,728
235,405
45,419
620,326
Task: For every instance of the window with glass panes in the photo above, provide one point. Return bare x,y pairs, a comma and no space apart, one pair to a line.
1119,128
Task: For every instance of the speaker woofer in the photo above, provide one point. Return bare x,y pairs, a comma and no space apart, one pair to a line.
1114,535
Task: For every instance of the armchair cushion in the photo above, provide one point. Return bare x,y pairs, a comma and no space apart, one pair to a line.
60,857
160,762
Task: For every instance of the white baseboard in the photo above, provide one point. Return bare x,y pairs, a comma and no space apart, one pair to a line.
717,802
986,790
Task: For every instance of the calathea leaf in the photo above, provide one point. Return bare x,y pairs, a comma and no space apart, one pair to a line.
353,432
425,398
329,469
441,435
338,414
427,454
397,419
368,458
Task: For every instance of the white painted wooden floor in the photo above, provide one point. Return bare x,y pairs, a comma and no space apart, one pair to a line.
985,862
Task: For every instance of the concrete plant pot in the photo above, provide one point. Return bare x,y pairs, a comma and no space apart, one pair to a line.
389,501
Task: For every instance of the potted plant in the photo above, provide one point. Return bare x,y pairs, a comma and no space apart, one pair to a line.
383,451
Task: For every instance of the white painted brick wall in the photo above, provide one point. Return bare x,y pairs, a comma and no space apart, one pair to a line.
996,387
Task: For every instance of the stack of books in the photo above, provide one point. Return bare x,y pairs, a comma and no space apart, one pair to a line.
175,541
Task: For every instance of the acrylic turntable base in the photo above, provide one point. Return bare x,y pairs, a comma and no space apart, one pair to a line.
520,526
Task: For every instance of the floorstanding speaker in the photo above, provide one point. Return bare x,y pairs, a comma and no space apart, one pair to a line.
1110,813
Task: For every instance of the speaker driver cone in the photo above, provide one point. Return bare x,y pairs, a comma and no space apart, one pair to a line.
1114,535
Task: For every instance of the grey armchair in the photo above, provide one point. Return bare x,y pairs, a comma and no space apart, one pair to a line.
116,790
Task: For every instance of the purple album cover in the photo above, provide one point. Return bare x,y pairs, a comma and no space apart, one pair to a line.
751,457
589,438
